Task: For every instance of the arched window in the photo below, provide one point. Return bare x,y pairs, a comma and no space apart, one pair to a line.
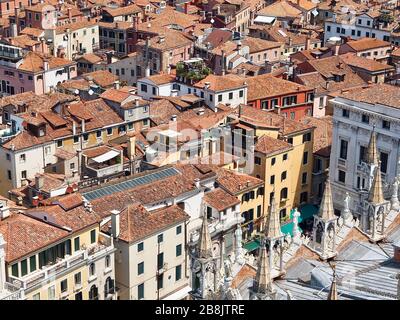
108,261
284,194
108,287
93,293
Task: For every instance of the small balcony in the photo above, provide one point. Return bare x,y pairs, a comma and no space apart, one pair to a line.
11,292
103,161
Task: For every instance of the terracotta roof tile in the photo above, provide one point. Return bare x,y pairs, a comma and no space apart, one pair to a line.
220,200
103,78
34,62
269,119
322,134
137,223
384,94
367,44
268,145
266,86
364,63
222,83
25,235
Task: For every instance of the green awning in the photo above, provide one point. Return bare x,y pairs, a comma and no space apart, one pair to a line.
252,245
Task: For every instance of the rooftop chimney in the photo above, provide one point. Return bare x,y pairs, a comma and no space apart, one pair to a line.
39,182
173,117
69,14
83,125
73,127
115,223
116,85
174,93
4,210
197,183
132,147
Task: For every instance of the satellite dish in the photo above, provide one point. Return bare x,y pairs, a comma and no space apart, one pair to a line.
212,20
90,92
76,91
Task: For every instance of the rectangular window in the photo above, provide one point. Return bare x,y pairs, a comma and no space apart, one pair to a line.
14,270
283,175
76,139
343,149
140,268
78,279
257,160
9,175
241,94
345,113
264,104
160,260
363,152
305,157
22,158
51,293
285,157
342,176
307,137
23,174
109,131
24,267
259,211
384,161
273,161
32,263
178,273
178,250
272,179
64,285
85,137
160,281
59,143
230,95
385,124
141,291
140,246
77,245
304,178
219,97
36,296
143,87
364,118
160,238
178,229
93,236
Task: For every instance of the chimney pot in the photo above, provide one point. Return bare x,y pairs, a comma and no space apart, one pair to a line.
115,223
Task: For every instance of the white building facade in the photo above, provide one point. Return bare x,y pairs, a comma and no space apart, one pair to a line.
353,124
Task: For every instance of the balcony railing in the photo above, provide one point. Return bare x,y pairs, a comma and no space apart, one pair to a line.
102,170
12,292
50,271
